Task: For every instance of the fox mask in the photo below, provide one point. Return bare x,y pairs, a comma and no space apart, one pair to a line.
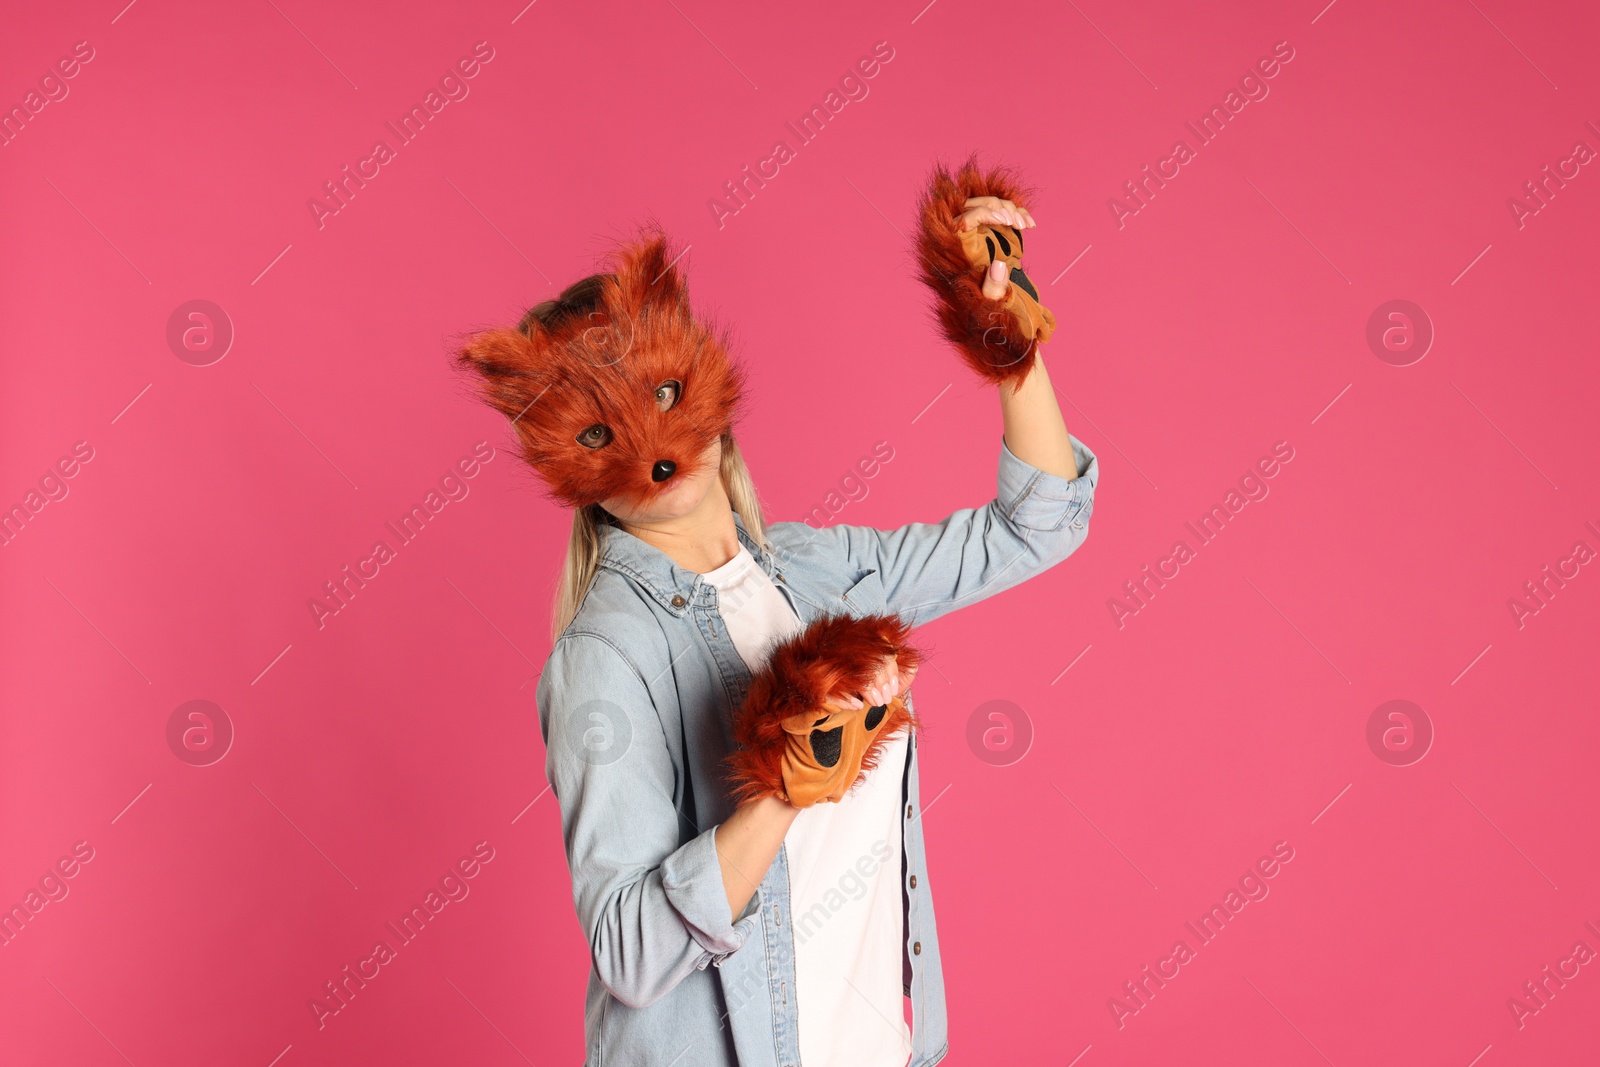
620,399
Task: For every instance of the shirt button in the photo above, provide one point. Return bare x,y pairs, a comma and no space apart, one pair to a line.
908,811
678,601
916,948
782,579
913,881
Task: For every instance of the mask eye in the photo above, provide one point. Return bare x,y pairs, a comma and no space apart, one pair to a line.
596,436
667,394
820,721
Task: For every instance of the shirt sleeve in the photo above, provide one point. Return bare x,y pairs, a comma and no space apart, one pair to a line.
646,883
1035,521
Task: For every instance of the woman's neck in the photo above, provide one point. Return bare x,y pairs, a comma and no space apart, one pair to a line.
700,541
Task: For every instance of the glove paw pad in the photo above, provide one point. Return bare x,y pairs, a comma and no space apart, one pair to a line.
795,743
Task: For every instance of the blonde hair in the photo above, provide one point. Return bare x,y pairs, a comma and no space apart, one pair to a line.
585,544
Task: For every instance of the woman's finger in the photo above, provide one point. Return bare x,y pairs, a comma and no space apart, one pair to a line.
995,211
996,280
978,209
974,217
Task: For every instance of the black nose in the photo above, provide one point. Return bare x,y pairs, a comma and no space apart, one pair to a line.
662,470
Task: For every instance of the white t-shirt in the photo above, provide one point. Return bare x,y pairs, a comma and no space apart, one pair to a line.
844,870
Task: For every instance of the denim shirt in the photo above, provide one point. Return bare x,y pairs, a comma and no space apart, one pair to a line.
635,705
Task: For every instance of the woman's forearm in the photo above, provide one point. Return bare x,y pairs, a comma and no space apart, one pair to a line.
1035,431
747,843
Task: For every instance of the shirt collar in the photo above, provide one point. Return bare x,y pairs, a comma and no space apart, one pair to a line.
672,586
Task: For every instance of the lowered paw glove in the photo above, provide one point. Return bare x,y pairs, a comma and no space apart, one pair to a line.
798,741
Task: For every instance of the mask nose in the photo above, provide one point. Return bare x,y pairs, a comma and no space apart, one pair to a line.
662,470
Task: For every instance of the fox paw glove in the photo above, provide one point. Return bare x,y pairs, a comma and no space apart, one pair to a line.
998,338
796,740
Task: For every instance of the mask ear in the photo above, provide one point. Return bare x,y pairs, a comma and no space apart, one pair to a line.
649,283
514,367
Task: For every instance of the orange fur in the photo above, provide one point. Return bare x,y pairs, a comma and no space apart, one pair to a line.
604,369
988,336
834,655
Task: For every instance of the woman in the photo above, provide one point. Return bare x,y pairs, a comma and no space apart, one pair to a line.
758,933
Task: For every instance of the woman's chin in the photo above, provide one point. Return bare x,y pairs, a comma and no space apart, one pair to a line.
678,498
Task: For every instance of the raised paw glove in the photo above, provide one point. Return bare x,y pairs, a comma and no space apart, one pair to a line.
997,338
796,740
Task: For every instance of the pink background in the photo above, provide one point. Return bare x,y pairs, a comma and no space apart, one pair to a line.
1228,714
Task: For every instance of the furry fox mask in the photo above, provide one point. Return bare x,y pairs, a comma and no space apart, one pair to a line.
615,389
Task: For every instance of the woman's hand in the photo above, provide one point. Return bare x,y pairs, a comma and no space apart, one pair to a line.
998,212
887,684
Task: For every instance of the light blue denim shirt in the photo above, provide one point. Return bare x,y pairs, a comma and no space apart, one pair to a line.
635,704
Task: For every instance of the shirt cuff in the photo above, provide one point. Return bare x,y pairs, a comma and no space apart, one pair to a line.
1034,500
692,880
